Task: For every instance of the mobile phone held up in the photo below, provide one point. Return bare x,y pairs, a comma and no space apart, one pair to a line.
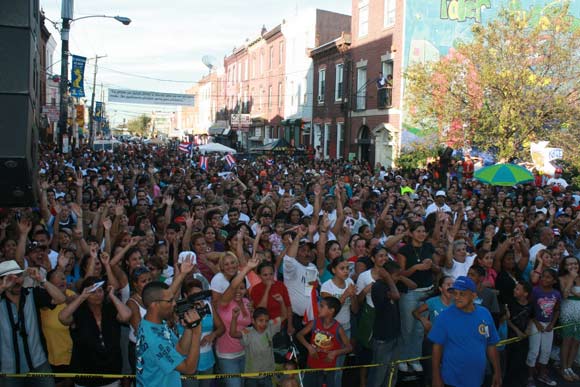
96,285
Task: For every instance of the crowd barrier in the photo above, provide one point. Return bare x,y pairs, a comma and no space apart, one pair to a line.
393,368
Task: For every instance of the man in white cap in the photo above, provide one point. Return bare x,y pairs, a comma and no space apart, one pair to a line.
21,348
439,204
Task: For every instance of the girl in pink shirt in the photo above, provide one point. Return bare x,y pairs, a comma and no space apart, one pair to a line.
230,351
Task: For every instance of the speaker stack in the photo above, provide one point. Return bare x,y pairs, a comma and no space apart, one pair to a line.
19,101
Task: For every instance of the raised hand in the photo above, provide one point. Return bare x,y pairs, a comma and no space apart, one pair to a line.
62,259
79,179
107,223
35,274
76,209
24,226
105,258
253,263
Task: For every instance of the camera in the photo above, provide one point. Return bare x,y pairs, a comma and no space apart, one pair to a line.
183,305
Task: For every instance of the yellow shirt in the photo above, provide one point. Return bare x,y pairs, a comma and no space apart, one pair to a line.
58,340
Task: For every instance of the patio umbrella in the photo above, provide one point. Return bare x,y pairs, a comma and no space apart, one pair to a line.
504,174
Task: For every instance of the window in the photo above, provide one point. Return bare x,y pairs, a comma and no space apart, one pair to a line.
338,82
281,53
262,62
291,93
279,94
363,18
390,12
246,70
321,85
270,97
361,92
261,101
387,68
339,140
254,66
271,57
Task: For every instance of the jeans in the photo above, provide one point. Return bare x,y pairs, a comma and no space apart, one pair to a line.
232,366
25,382
540,343
340,363
318,379
260,382
196,382
384,352
411,329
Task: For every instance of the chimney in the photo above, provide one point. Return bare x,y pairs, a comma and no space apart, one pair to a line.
264,30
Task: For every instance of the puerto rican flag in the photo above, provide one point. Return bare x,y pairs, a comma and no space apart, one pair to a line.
230,159
270,162
185,147
203,162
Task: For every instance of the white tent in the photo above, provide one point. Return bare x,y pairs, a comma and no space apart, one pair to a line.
215,147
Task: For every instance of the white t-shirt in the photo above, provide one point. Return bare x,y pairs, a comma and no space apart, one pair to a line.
307,211
343,317
299,281
459,268
364,279
433,207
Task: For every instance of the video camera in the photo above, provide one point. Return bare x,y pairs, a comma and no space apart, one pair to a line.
182,306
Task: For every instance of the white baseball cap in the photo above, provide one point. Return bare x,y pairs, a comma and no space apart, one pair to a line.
440,193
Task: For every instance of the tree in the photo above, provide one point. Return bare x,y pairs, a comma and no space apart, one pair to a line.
139,126
515,82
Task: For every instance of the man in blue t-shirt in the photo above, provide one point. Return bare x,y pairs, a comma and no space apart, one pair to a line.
462,336
161,356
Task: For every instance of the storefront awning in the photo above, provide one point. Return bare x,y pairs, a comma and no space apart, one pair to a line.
218,128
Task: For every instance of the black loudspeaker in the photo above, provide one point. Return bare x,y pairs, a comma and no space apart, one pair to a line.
19,96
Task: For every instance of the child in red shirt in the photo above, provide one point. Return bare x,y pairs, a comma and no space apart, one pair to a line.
328,341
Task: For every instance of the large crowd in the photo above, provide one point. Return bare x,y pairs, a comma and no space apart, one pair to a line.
310,263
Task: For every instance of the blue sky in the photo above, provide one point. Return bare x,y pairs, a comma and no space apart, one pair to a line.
167,39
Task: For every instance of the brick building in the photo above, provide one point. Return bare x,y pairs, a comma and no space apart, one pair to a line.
330,95
377,36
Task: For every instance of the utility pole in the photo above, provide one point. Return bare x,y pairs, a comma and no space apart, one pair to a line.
92,110
66,13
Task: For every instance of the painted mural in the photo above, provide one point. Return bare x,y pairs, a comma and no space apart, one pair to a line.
433,27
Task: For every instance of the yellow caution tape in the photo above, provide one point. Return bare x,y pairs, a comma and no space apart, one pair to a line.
392,365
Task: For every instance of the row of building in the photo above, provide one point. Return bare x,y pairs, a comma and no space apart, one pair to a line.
312,81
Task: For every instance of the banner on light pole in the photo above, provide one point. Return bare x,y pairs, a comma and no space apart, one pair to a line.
77,76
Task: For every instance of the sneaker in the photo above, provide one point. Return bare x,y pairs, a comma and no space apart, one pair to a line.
531,383
403,367
548,381
416,366
567,375
573,374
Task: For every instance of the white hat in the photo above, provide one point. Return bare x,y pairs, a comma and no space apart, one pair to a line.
184,254
9,267
440,193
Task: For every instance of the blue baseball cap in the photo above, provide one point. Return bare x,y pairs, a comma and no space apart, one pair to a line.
464,283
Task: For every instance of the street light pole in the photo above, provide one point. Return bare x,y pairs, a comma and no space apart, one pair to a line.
92,110
67,15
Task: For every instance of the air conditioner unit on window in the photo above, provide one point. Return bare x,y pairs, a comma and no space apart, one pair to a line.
320,99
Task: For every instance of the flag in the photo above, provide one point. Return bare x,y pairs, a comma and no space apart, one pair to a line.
98,111
270,162
230,160
185,147
77,76
203,162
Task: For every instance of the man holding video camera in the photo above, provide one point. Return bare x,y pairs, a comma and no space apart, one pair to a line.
161,356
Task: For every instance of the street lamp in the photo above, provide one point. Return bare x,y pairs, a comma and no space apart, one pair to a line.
67,18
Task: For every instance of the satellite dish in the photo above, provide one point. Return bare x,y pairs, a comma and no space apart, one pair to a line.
209,61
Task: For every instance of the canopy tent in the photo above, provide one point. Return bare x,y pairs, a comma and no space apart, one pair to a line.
280,145
215,147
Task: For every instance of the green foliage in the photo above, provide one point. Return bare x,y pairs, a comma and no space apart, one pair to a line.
139,126
516,82
417,156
